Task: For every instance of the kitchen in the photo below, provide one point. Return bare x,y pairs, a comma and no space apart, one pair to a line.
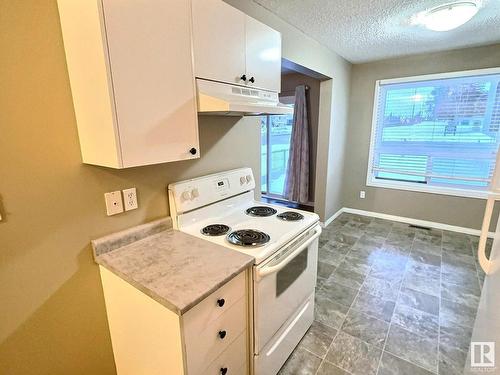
55,317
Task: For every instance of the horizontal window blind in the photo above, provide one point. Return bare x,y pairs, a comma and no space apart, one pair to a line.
441,132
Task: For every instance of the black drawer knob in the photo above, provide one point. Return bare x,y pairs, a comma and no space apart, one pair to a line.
243,77
222,334
252,80
223,370
193,151
221,302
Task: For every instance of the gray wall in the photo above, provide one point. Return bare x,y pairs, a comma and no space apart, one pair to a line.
289,82
334,99
466,212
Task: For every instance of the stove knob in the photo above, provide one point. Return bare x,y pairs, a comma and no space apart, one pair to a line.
195,193
242,180
186,196
249,178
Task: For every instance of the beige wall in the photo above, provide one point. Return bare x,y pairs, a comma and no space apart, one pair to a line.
52,317
288,84
334,99
439,208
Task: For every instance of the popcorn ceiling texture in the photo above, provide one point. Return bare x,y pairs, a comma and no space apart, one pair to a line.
369,30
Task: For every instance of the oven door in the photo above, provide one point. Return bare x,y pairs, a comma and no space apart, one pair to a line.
283,283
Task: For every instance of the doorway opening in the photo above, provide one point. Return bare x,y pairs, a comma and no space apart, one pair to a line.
276,133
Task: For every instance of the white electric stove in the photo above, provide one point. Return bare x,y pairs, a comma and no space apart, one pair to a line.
284,242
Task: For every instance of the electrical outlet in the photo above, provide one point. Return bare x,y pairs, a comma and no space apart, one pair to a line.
130,199
114,202
362,194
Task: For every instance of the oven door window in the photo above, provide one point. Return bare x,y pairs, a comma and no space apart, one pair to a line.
291,272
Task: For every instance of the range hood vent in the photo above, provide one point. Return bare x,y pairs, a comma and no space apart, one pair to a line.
216,98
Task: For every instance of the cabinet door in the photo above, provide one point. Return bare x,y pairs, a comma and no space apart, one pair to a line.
263,55
149,46
219,41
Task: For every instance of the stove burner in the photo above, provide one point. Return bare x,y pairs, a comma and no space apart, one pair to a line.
290,216
261,211
248,237
215,230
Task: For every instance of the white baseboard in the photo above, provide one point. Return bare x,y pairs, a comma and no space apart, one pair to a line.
408,220
331,218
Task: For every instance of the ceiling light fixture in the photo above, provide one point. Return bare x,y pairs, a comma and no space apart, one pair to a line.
447,16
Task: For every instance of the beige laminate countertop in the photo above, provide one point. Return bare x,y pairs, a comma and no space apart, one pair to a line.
176,269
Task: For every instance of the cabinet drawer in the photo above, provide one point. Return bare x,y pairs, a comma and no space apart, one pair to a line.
200,316
234,359
203,346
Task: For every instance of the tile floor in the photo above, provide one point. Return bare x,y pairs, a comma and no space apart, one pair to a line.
390,300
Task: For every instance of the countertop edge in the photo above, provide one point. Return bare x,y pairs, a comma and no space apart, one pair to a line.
182,310
139,286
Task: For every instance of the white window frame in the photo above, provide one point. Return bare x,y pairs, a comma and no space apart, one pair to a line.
412,186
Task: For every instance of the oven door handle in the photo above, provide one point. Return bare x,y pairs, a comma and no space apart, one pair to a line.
272,269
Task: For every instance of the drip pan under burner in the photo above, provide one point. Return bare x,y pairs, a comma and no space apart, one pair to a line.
290,216
248,238
260,211
215,230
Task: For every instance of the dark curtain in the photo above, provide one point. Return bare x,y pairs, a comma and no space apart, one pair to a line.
297,177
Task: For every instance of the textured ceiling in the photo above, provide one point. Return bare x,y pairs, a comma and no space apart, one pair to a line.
368,30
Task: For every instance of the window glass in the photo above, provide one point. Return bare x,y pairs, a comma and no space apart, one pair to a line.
276,131
436,134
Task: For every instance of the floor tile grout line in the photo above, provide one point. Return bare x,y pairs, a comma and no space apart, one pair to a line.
342,323
441,248
359,290
333,364
327,350
410,362
439,301
351,307
309,351
336,329
393,312
476,265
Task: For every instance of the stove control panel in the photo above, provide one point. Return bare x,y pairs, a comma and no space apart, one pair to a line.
191,194
195,193
222,185
186,195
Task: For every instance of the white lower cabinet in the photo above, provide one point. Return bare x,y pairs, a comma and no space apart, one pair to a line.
205,346
149,339
232,361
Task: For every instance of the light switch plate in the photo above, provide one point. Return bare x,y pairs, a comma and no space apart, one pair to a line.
130,199
114,202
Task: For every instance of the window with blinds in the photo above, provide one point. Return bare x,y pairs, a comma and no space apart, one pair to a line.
436,133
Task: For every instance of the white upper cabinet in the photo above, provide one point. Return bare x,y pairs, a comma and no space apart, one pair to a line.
132,81
229,45
263,55
219,41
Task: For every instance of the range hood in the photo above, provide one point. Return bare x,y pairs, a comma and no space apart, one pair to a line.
216,98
